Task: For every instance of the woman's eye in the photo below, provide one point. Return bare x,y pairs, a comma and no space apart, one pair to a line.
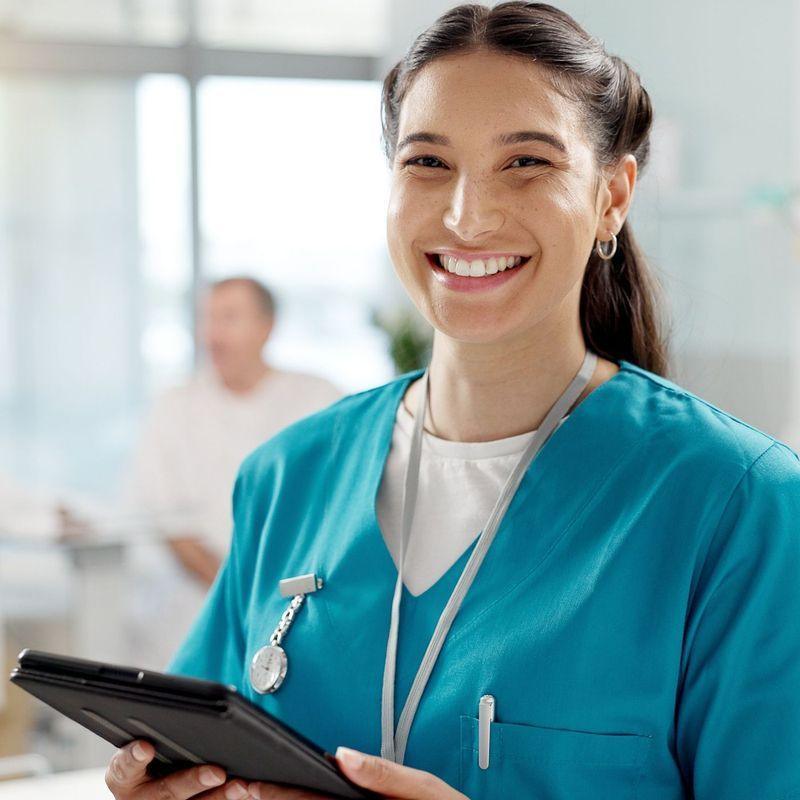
532,161
420,161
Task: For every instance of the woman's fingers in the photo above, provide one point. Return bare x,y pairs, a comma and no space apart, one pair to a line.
393,780
127,778
234,790
184,784
128,767
271,791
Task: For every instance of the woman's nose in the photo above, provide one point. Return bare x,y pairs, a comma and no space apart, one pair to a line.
472,211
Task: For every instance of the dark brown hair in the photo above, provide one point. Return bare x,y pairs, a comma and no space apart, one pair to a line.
620,297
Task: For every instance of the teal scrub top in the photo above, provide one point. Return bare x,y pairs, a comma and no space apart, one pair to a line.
637,618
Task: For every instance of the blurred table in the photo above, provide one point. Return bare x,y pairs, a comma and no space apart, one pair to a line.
80,580
97,620
67,596
83,785
36,580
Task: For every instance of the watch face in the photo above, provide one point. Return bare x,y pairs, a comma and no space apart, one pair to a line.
268,668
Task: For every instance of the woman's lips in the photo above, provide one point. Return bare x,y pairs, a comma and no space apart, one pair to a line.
463,283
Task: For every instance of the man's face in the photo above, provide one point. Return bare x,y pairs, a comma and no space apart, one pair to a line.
234,328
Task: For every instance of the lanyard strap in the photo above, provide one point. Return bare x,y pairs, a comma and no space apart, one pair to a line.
393,745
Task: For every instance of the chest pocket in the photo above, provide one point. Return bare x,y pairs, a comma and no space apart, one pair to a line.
551,763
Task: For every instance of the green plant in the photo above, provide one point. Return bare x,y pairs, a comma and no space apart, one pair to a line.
410,337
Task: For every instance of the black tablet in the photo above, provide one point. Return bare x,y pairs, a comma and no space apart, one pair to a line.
188,721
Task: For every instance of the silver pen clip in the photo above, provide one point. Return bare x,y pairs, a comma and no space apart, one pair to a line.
485,720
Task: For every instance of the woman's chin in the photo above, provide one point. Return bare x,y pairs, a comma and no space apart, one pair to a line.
472,327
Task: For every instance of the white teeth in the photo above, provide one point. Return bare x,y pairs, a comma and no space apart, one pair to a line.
479,267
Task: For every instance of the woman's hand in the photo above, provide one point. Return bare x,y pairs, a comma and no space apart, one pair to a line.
127,779
377,774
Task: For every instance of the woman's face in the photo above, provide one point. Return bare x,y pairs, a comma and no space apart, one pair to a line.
473,183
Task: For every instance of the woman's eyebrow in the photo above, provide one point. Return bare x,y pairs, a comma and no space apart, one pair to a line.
429,138
518,137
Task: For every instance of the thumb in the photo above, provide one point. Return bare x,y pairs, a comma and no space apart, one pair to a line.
393,780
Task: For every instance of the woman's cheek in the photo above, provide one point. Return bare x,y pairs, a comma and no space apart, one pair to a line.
566,220
395,227
407,221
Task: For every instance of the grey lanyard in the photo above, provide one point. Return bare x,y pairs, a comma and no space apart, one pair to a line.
393,745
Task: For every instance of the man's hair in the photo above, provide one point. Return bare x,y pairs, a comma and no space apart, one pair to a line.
262,295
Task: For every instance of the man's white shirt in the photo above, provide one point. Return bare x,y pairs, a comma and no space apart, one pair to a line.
182,478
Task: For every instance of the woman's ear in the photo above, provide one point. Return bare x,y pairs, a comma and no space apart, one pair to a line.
616,193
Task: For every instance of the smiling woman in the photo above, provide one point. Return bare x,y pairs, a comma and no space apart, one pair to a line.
596,118
548,571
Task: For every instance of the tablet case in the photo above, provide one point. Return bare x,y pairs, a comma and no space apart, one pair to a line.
188,721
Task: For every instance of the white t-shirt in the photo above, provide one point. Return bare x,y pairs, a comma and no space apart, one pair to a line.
459,483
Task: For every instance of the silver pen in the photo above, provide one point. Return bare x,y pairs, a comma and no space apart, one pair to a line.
485,720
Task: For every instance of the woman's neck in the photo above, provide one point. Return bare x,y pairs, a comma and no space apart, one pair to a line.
482,392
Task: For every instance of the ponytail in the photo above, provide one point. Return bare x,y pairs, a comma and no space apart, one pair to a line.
618,307
621,296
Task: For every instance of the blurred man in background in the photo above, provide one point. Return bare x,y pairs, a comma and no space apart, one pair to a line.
194,440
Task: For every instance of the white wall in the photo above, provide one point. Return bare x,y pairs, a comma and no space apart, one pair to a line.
724,83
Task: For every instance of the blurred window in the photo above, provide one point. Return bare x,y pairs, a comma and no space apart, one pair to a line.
163,190
144,21
345,27
96,263
95,270
353,27
95,248
294,188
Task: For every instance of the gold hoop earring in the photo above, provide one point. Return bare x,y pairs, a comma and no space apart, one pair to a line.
598,248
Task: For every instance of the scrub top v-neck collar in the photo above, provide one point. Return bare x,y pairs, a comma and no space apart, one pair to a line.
382,441
384,437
